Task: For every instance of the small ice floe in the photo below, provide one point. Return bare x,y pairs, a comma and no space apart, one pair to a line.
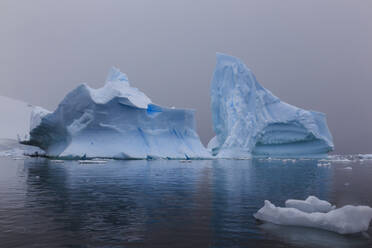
323,160
346,184
364,156
323,164
348,168
185,161
342,160
5,154
346,220
339,159
310,205
288,160
93,161
56,161
18,158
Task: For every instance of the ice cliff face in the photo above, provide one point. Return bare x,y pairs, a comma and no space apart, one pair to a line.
116,121
249,120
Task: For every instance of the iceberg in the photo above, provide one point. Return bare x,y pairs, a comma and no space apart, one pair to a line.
346,220
310,205
249,120
115,121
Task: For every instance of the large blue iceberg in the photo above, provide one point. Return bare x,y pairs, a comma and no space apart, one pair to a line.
249,120
115,121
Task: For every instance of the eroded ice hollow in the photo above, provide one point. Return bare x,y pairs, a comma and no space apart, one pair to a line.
249,120
116,121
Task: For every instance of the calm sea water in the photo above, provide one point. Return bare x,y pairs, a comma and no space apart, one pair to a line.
170,204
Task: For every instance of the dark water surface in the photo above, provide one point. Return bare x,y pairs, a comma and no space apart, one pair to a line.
169,203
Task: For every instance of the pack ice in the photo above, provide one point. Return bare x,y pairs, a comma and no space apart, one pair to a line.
116,121
249,120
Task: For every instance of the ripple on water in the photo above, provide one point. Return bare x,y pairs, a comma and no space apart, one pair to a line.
169,203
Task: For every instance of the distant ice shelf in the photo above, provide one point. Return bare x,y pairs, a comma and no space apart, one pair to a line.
15,119
249,120
115,121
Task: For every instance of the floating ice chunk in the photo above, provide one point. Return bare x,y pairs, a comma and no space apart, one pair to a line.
310,205
339,159
185,161
342,160
348,168
116,121
249,119
93,161
345,220
56,161
365,156
323,164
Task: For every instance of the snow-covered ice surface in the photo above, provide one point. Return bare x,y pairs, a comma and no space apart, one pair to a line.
36,115
345,220
310,205
249,120
116,121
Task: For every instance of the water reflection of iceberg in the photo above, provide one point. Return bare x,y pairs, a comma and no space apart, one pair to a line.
309,237
124,202
241,186
267,179
164,203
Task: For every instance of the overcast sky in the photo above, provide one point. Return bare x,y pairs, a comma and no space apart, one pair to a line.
313,54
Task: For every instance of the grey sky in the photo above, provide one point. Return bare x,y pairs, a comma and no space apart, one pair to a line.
313,54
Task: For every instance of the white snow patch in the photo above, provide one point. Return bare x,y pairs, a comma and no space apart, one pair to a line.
310,205
37,114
